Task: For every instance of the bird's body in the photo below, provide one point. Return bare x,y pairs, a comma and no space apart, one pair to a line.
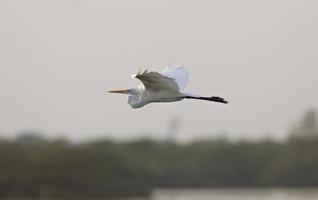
165,86
144,97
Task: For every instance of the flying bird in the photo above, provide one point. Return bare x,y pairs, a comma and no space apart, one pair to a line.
165,86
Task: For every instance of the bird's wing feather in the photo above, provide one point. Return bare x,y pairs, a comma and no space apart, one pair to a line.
156,81
179,74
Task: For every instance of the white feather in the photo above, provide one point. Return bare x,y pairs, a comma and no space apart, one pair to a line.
179,74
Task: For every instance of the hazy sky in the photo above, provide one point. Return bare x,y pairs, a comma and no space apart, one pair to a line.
57,59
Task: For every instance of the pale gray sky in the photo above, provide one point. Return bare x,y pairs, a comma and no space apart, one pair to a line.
57,59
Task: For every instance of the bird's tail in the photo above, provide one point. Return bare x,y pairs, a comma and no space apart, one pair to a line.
213,98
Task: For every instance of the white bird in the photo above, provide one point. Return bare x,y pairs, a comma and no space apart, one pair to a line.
165,86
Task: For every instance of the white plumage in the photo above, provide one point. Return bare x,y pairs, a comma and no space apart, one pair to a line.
179,74
165,86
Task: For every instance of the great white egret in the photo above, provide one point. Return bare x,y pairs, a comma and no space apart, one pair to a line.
165,86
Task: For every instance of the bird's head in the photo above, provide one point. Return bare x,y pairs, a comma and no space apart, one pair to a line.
134,96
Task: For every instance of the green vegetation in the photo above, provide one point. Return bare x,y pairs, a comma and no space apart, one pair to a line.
31,166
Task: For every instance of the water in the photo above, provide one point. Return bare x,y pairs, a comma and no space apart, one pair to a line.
236,194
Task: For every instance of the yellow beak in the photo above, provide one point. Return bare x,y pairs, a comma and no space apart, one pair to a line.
118,91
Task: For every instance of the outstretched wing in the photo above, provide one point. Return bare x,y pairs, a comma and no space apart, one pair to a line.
179,74
156,81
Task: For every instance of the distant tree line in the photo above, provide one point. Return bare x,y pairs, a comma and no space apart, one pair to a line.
31,166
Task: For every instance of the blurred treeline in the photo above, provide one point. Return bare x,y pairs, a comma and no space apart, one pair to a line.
31,166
